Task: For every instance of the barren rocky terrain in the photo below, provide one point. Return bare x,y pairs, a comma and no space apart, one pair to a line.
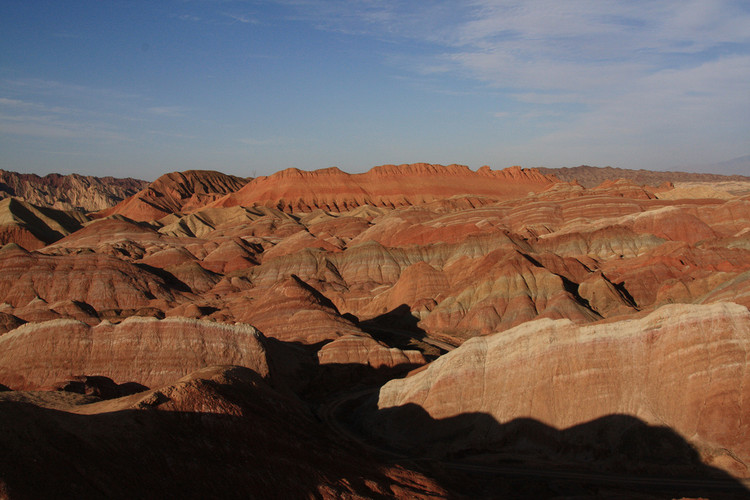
68,192
593,176
415,331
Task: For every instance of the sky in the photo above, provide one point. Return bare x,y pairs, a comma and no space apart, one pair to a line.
141,88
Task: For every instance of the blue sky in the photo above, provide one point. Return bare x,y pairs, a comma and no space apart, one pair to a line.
132,88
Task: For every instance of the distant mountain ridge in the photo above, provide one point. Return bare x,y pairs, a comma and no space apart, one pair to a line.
68,192
388,186
175,193
589,176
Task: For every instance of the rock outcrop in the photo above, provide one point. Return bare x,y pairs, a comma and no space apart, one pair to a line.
34,227
682,366
68,192
176,193
147,351
593,176
101,281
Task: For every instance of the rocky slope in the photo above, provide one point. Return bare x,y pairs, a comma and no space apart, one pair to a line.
147,351
33,227
68,192
176,193
682,366
218,432
455,270
391,186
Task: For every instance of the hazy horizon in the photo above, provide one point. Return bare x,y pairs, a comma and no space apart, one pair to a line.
253,87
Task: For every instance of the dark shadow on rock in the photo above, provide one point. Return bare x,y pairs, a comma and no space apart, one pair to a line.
400,328
610,453
399,318
118,315
170,279
268,448
39,228
295,367
101,387
620,287
321,299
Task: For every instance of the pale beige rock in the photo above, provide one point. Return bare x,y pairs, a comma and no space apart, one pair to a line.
34,227
68,192
683,366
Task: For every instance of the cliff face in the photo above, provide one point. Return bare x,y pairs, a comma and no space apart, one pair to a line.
68,192
683,366
146,351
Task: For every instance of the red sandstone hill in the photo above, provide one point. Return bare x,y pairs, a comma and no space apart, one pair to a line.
391,186
68,192
176,193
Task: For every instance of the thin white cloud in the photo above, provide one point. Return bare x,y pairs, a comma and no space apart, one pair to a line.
89,113
52,127
65,90
669,77
167,111
20,104
242,18
680,116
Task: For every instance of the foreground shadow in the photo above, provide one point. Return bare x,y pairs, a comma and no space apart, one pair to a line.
475,456
525,458
295,367
206,439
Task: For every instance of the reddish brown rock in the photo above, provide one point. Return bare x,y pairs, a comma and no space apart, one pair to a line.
229,256
291,311
299,241
364,350
331,189
677,272
196,278
593,176
115,235
9,322
151,352
100,281
503,290
177,192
